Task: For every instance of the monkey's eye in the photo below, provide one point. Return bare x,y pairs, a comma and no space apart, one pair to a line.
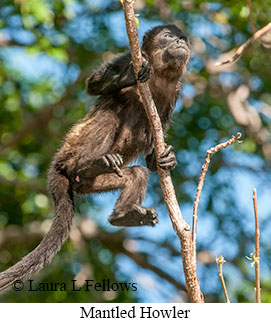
167,34
183,38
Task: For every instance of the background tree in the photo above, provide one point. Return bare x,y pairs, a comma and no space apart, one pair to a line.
47,49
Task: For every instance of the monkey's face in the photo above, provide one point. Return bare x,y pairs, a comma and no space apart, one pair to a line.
174,44
168,50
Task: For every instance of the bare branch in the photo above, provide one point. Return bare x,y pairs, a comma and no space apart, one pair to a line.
204,170
181,227
257,248
239,52
220,261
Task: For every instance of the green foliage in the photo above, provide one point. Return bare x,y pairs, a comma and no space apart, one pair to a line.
47,50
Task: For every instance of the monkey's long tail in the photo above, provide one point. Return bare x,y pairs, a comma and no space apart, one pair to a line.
43,254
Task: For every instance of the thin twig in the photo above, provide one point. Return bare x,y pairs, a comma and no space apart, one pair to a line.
220,261
257,248
240,50
204,170
181,227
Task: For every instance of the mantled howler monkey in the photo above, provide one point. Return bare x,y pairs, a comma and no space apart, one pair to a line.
95,152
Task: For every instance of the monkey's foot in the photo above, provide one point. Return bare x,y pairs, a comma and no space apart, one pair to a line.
136,216
114,162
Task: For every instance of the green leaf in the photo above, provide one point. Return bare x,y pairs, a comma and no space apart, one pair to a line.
58,53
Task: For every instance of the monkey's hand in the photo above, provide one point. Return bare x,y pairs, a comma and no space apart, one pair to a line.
168,159
113,162
144,72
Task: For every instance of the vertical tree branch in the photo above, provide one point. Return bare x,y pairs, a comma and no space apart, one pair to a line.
220,261
257,249
181,227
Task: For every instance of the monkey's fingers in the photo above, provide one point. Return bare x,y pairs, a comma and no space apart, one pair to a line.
144,73
168,149
167,160
169,165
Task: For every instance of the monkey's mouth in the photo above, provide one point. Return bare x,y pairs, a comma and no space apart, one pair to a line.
179,52
183,48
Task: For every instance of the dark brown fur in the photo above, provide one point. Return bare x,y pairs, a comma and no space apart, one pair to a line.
95,152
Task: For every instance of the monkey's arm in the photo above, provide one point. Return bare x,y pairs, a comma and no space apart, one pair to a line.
166,161
116,75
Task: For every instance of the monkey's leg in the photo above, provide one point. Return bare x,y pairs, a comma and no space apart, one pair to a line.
128,210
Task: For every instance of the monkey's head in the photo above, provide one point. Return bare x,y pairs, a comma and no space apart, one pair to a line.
167,49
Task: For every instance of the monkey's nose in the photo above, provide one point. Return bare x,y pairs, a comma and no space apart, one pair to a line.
180,41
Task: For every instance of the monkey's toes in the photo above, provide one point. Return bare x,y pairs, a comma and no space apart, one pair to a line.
152,215
114,162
